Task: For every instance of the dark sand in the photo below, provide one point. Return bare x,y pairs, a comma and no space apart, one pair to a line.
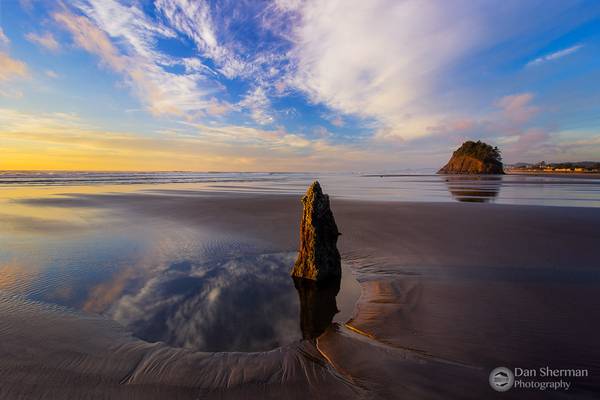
449,291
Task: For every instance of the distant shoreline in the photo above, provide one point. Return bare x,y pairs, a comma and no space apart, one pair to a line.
591,175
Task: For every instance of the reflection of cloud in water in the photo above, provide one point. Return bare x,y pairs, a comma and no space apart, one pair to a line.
243,304
474,189
38,225
16,278
104,294
206,289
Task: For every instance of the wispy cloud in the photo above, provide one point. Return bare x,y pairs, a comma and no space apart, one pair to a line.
210,28
11,68
144,68
529,143
3,39
257,102
199,146
51,74
517,108
511,124
333,118
194,19
27,5
45,40
555,56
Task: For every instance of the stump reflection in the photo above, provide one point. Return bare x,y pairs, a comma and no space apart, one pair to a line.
317,305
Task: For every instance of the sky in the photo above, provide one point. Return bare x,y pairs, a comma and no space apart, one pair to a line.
292,85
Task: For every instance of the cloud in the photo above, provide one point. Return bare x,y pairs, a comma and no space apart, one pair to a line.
337,121
218,108
213,30
384,69
384,76
46,40
195,20
555,56
517,108
4,42
258,103
11,68
579,149
334,119
533,142
536,144
321,131
64,141
27,5
88,37
144,68
218,32
510,124
51,74
511,113
403,66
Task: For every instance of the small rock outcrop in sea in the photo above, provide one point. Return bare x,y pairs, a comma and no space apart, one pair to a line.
474,158
318,257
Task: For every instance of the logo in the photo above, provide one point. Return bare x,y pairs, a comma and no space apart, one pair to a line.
501,379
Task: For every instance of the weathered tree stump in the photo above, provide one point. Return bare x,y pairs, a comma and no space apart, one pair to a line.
318,257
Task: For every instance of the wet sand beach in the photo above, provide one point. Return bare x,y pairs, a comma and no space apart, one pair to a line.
299,199
445,292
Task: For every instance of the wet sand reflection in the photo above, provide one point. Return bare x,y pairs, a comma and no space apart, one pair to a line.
474,189
317,305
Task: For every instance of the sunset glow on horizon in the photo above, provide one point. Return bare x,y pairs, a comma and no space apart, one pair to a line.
291,85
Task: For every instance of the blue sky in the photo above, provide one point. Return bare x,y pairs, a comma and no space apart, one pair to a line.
295,85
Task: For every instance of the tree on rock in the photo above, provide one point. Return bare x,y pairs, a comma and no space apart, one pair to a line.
474,158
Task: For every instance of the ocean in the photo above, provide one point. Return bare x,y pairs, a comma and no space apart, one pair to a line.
410,185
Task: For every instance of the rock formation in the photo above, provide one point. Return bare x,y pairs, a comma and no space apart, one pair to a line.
318,257
474,158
